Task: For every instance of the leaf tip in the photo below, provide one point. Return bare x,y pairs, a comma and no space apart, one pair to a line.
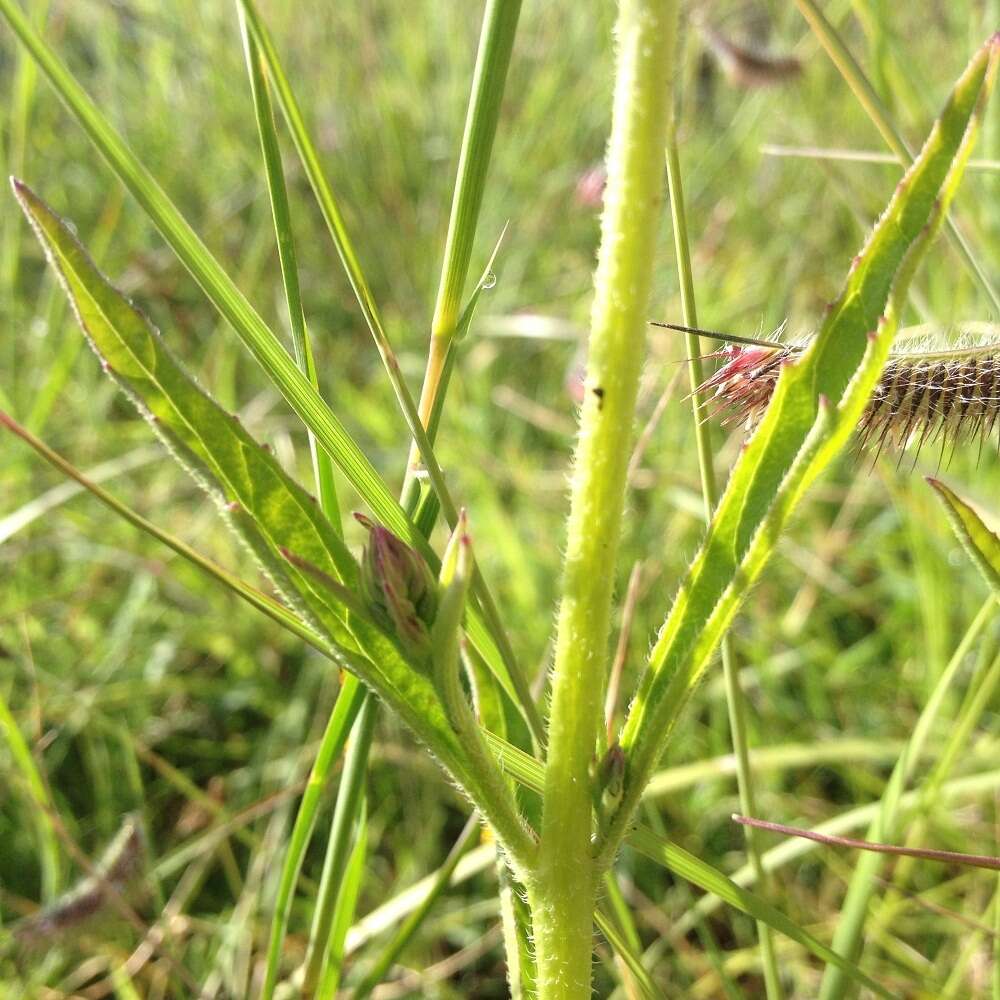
939,487
24,195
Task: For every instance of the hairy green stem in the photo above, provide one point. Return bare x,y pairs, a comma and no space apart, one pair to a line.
563,888
735,700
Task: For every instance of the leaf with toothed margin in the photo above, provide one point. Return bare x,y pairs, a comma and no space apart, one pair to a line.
266,507
797,436
280,523
982,544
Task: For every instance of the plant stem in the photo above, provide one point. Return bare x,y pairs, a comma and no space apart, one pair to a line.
496,42
563,888
735,700
495,46
348,809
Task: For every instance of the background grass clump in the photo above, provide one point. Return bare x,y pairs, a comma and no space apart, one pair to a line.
139,688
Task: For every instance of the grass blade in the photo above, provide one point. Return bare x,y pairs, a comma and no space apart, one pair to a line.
488,83
217,285
413,921
703,875
213,445
259,339
530,772
334,737
735,699
515,682
346,906
627,953
41,803
271,512
267,605
848,938
322,466
19,519
349,807
855,78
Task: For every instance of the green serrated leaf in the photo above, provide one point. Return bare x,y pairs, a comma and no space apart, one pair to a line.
982,544
796,439
220,454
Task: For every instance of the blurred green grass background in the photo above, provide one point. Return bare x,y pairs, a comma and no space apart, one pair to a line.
135,684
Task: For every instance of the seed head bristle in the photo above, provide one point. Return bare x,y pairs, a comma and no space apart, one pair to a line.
926,395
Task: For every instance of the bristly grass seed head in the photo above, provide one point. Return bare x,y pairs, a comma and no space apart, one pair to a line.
928,394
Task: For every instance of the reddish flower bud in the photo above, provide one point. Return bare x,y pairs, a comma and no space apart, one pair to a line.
398,587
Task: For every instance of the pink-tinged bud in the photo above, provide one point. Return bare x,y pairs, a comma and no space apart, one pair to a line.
398,587
590,187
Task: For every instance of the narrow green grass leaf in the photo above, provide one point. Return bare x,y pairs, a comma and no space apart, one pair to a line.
271,512
42,807
347,902
413,921
499,653
735,698
703,875
982,544
213,279
847,937
628,954
817,403
349,702
18,520
281,214
275,361
868,98
333,890
255,598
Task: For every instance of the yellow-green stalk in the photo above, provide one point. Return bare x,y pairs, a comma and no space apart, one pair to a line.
563,889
